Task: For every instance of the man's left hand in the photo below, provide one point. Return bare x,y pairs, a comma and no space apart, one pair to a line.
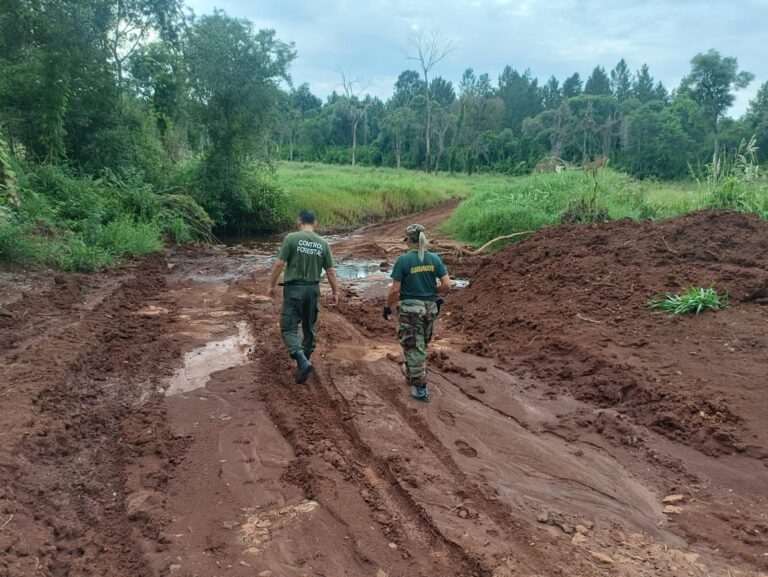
386,312
271,293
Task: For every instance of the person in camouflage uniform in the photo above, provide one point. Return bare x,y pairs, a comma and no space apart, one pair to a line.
417,294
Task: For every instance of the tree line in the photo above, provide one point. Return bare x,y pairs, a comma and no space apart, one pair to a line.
201,105
513,123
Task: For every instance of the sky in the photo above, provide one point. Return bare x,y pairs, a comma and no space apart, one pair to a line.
368,39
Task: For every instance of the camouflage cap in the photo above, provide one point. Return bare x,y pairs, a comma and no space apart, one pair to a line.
412,232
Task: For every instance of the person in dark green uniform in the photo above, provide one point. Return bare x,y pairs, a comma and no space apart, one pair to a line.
304,255
418,296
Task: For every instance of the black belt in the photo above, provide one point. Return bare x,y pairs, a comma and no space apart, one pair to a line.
299,283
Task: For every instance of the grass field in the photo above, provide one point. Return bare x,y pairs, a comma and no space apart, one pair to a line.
346,196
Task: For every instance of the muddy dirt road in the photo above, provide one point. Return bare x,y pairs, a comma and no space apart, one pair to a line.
150,425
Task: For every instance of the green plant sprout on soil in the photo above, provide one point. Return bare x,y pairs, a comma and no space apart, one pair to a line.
693,300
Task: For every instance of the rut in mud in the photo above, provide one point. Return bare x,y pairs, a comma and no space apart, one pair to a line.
150,425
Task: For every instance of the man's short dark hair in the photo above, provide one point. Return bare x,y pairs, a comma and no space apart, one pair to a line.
306,216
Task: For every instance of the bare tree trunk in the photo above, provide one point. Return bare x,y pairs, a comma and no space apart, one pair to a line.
428,52
716,154
428,160
354,141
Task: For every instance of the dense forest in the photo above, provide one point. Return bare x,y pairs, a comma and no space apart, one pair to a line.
104,104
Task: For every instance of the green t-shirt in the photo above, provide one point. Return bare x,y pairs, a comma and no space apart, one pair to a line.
305,254
418,278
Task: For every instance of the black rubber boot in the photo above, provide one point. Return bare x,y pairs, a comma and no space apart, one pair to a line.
303,367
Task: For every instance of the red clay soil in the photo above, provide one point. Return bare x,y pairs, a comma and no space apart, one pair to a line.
150,426
568,307
571,305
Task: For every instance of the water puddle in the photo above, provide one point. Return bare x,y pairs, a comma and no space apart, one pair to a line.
201,363
357,270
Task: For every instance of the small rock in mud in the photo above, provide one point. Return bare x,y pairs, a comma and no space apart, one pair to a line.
502,571
672,510
380,517
602,557
333,458
143,505
230,525
381,573
543,517
578,539
567,529
174,569
672,499
582,529
393,546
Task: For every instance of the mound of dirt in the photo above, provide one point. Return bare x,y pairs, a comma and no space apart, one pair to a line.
569,305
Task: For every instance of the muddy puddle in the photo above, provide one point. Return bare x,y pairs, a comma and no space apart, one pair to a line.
214,356
373,275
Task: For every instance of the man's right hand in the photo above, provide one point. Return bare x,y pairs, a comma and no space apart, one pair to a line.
271,293
334,298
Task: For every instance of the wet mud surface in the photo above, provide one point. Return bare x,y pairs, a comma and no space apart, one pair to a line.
151,427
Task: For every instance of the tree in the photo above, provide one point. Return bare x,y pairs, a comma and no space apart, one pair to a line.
353,107
642,88
234,74
598,83
551,94
521,95
711,84
757,119
131,23
621,81
428,51
572,86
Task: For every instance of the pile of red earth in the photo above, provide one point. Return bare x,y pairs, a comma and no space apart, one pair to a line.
569,307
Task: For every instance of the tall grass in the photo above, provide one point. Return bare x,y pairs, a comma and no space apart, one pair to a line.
346,196
531,202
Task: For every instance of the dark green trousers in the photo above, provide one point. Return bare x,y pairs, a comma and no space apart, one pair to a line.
301,305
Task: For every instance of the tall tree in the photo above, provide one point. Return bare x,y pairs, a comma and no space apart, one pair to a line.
711,83
757,119
551,93
353,108
234,73
572,86
598,83
642,88
132,22
428,51
521,95
621,81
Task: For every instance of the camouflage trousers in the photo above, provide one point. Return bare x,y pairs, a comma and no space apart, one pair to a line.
417,319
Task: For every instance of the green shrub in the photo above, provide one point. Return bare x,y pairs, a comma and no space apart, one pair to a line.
78,256
19,246
693,300
127,237
82,223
